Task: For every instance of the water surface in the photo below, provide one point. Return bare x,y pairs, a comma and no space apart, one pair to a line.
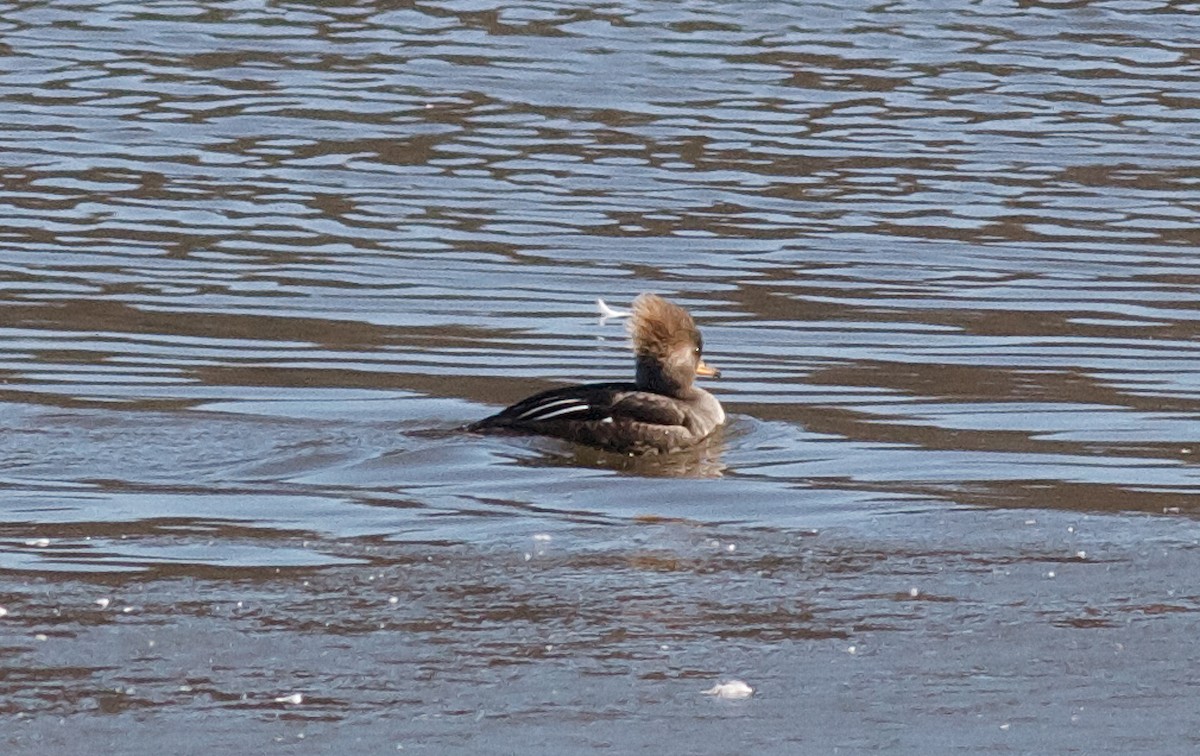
260,261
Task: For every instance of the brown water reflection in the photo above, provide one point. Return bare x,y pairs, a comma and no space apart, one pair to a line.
259,262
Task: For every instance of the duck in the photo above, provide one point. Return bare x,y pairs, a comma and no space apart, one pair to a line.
660,411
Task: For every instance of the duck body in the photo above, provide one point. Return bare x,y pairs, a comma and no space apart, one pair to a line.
660,411
618,417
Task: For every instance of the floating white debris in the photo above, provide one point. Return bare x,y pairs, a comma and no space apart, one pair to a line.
914,592
543,537
1031,522
41,637
103,602
852,650
295,698
3,612
732,690
1081,554
528,556
1050,574
393,599
732,547
1005,726
39,543
607,312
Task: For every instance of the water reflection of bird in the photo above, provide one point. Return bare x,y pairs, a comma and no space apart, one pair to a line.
661,411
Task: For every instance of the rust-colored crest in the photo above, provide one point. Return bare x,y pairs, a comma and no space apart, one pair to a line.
659,327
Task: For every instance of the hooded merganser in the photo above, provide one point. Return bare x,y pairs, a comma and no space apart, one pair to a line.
660,412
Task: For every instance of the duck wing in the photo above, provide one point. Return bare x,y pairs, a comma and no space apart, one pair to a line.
648,408
591,402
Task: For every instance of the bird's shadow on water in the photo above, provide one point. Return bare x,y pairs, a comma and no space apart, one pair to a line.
705,460
701,461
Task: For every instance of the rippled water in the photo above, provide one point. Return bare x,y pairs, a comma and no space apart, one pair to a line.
260,260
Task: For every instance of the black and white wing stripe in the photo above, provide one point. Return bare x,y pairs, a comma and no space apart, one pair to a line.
564,407
589,403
